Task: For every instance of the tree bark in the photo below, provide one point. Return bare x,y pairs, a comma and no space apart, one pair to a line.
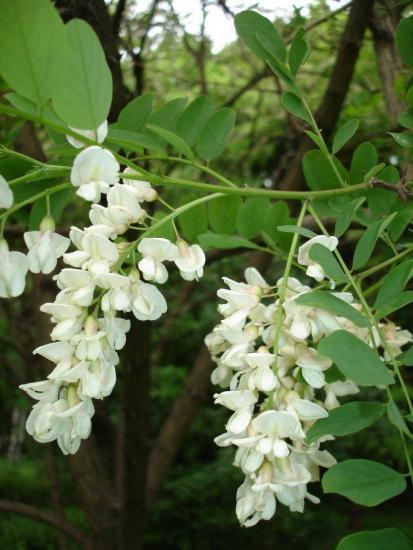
135,424
176,425
339,83
383,25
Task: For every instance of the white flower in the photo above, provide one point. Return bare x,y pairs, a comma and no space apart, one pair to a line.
147,303
94,171
141,189
6,194
190,261
78,425
68,319
242,402
115,329
338,389
275,426
77,285
45,247
314,269
154,252
117,297
45,390
98,135
312,365
13,270
253,506
43,423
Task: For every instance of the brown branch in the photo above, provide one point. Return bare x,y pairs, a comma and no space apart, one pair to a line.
117,17
401,188
50,519
383,23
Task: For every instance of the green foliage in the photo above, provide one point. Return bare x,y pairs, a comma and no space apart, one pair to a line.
344,134
365,246
323,256
362,365
249,25
83,93
194,118
346,419
251,217
346,215
381,539
325,300
214,240
364,159
223,213
364,482
318,172
391,295
32,43
404,40
133,116
214,135
295,106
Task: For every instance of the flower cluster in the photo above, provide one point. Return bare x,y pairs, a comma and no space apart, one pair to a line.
277,385
95,290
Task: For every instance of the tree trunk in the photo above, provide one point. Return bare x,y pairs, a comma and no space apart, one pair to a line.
134,436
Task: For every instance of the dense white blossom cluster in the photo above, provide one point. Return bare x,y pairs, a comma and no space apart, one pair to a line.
95,289
277,385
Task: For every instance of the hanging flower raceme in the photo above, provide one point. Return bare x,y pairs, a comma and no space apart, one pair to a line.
94,292
275,385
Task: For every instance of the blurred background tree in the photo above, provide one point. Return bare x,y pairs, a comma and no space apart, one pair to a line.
151,475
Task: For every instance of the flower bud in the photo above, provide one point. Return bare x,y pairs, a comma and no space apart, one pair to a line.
91,326
47,224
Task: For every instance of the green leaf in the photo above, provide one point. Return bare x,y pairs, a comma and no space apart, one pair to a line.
167,116
323,256
133,117
83,93
32,44
346,419
177,142
213,240
294,105
223,212
297,229
399,224
318,172
251,217
366,244
344,133
325,300
364,482
406,358
346,216
364,159
355,359
194,117
403,139
396,418
382,539
393,285
193,222
317,139
299,51
133,141
404,40
406,118
214,135
248,24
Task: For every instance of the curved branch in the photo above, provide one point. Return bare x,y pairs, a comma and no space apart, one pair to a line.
48,518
